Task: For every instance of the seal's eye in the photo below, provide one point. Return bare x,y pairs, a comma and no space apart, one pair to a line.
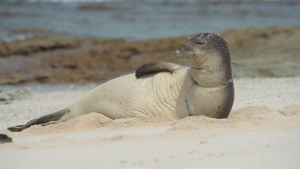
200,43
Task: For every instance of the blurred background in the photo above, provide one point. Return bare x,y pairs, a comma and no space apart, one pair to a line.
80,41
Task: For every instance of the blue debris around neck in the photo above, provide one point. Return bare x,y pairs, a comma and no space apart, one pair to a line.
186,102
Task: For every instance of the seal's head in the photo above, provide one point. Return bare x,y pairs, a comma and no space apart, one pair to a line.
201,48
208,54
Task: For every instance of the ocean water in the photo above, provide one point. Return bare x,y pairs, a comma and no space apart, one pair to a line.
140,19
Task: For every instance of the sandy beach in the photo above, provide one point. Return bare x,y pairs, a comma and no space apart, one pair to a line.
54,52
262,131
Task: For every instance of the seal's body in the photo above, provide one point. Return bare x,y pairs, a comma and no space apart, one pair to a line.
162,88
161,94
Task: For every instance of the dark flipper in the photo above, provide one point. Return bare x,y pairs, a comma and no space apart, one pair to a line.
156,67
42,120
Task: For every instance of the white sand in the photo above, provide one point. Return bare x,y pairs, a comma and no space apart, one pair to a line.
263,131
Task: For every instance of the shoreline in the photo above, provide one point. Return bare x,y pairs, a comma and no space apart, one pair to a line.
53,64
267,52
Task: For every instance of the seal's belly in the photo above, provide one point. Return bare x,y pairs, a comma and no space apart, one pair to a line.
148,96
160,94
127,96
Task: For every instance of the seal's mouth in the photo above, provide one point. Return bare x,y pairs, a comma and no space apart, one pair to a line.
186,55
189,56
197,60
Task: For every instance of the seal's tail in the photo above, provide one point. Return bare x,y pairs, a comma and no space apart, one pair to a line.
44,120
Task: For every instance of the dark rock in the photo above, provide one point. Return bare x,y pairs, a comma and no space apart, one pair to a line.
5,139
267,52
94,7
16,14
7,98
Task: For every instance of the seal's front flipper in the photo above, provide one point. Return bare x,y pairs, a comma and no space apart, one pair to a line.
44,120
156,67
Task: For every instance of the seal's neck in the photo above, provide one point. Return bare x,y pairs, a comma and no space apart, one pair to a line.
213,70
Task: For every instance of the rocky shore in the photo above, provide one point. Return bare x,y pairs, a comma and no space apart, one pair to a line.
268,52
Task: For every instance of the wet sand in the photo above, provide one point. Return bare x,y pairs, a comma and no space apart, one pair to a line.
261,52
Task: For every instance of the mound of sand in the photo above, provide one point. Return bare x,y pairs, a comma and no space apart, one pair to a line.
251,118
248,119
262,131
93,121
85,122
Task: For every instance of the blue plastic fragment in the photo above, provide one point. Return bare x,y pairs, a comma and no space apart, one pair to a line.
187,107
236,65
186,103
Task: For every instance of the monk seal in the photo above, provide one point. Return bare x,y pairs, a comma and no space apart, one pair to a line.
162,88
4,139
